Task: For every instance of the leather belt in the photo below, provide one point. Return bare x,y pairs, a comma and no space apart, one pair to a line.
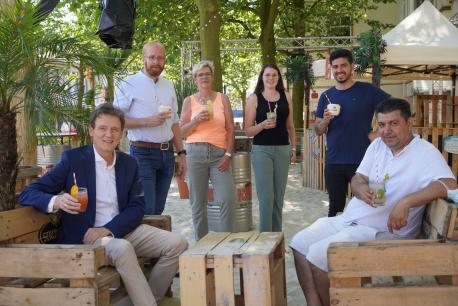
164,146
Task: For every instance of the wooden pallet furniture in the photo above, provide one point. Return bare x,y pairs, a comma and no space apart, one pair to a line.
25,176
234,269
402,272
35,273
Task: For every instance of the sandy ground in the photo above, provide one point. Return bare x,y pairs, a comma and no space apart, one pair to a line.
302,207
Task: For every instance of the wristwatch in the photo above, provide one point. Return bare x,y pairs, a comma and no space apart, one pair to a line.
181,152
228,154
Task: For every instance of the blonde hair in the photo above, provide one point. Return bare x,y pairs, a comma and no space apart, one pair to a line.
201,65
152,44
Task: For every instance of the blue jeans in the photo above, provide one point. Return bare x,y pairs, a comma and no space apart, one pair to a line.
156,172
270,165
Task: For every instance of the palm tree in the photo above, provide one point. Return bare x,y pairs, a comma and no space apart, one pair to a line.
33,63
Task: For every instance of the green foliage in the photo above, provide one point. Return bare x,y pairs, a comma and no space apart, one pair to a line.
299,69
238,69
323,17
368,53
184,89
167,21
34,64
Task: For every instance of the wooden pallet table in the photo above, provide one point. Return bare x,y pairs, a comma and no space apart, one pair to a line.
417,272
234,269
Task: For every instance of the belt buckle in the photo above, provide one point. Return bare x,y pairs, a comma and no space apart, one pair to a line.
164,146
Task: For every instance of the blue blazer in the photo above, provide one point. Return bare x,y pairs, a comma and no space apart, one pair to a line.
81,161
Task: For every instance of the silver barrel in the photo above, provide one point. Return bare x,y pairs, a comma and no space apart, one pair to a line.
49,155
241,167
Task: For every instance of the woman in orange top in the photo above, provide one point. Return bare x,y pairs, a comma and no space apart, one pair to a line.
208,125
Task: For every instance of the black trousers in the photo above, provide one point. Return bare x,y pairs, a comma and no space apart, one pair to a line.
337,177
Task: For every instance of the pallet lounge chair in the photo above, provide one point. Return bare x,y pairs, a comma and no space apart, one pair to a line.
402,272
33,272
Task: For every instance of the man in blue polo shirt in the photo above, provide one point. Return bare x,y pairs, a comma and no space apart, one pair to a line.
349,133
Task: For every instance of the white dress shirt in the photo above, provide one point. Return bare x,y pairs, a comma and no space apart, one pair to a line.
106,201
139,96
106,197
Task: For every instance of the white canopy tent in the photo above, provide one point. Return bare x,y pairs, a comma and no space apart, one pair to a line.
422,46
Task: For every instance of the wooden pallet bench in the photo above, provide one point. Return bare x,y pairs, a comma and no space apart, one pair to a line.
400,272
35,273
234,269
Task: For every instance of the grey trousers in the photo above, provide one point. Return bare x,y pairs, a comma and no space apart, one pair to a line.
150,242
202,161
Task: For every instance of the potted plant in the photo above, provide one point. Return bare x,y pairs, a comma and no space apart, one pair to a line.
33,63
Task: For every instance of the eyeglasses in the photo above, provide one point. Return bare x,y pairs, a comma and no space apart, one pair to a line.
157,58
204,75
268,75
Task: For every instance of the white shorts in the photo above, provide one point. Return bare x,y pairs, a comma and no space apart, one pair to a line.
313,241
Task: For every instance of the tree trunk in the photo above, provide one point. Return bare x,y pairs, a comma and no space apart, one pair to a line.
210,25
298,86
376,72
242,94
298,104
268,12
8,160
8,151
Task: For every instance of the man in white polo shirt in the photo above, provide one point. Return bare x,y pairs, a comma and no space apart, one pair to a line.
150,105
413,172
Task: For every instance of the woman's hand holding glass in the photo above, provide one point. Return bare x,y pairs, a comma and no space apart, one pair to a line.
202,116
268,124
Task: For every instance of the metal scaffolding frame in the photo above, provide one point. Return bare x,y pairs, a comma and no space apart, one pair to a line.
190,50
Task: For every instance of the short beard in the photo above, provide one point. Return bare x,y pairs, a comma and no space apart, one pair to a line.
154,74
342,81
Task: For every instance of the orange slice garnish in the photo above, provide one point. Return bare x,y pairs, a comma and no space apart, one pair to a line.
73,190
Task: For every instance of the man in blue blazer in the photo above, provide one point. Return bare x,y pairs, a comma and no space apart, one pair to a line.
114,211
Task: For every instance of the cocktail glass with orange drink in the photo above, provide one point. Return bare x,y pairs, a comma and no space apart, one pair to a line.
81,196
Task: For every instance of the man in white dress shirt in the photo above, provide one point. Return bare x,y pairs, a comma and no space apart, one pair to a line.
114,211
397,159
150,105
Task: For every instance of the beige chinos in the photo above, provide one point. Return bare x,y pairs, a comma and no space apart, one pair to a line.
150,242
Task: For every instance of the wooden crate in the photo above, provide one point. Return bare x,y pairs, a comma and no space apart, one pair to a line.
234,269
31,272
400,272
